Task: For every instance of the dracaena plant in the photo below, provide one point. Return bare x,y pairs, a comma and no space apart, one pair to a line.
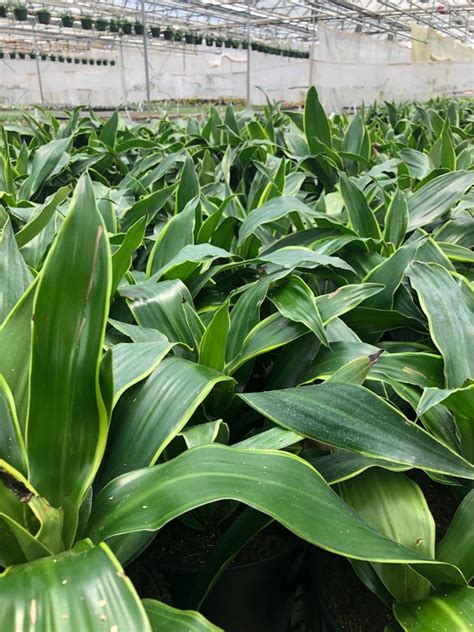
256,281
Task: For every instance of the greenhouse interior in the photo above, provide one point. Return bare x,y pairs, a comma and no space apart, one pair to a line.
237,316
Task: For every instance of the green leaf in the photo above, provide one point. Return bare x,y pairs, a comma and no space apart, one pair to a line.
271,333
14,274
316,123
41,217
296,301
299,257
46,160
213,343
327,412
449,609
390,273
67,416
15,343
12,447
278,484
361,215
437,197
168,307
164,618
457,545
449,318
188,188
152,413
395,506
133,362
344,299
123,256
271,211
82,589
419,164
177,233
108,133
396,219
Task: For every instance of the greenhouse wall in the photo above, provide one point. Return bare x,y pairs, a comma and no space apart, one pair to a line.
347,69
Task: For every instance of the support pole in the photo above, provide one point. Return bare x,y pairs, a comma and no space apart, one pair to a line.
249,99
38,69
145,55
311,56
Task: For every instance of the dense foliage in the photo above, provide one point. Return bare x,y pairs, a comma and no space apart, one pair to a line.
270,308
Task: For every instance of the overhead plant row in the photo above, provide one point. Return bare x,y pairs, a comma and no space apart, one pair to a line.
273,309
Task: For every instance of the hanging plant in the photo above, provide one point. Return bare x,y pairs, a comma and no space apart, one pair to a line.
138,28
12,54
114,26
2,54
21,55
77,60
178,36
20,12
168,33
244,44
69,60
198,39
67,20
84,62
105,62
98,62
32,55
43,16
3,11
86,23
61,58
189,38
234,43
112,62
101,24
254,46
52,57
126,27
219,42
43,56
155,31
209,41
91,62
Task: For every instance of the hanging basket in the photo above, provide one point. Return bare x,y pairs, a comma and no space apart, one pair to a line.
86,24
52,57
67,21
77,60
138,28
189,38
3,11
12,54
61,58
209,41
219,42
20,13
91,62
168,34
84,62
32,55
155,31
43,17
127,28
69,60
101,25
2,54
21,55
44,57
114,26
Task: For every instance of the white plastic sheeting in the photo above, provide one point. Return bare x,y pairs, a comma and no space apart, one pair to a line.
348,69
430,45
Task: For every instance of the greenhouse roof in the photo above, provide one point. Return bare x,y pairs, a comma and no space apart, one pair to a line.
278,21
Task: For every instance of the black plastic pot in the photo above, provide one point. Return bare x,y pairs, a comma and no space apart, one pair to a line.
101,25
198,39
155,31
20,13
228,43
113,26
67,21
44,17
44,57
168,34
12,55
84,62
77,60
21,55
52,57
189,38
86,23
252,597
3,11
61,58
69,60
127,28
32,55
209,41
91,62
2,54
138,28
219,43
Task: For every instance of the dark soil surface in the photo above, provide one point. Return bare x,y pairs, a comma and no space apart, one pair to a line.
351,605
178,544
